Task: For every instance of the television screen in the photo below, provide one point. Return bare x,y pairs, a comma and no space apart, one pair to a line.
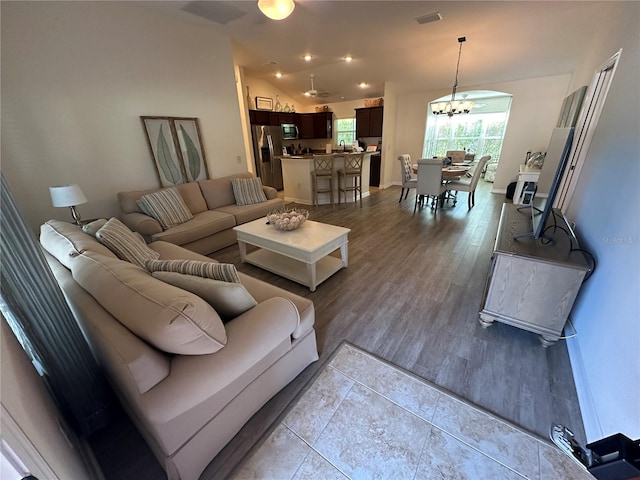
559,148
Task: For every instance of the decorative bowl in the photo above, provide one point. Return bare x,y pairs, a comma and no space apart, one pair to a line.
288,219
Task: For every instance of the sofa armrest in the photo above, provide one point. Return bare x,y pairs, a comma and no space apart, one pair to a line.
270,192
141,223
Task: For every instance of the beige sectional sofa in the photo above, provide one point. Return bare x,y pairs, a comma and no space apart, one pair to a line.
187,406
215,213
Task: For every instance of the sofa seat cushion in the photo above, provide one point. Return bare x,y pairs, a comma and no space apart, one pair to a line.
258,289
257,339
202,225
65,241
169,318
248,213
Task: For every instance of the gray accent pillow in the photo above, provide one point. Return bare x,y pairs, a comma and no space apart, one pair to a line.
92,227
126,244
248,191
225,272
166,206
227,298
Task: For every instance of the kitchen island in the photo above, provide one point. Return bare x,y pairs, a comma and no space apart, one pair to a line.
296,175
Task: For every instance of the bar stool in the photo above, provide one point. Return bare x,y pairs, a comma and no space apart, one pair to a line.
322,170
350,177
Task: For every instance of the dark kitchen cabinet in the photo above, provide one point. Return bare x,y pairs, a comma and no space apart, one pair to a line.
260,117
369,122
316,125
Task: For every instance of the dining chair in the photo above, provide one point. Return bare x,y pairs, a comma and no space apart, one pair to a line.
350,177
405,170
322,171
470,187
456,156
429,184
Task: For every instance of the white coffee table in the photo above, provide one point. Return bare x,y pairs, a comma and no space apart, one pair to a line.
301,255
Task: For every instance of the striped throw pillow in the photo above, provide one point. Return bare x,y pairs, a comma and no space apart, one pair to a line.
225,272
126,244
248,191
166,206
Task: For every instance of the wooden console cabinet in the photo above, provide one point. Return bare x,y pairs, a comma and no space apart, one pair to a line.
532,285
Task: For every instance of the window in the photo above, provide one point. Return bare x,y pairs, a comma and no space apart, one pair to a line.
346,130
481,134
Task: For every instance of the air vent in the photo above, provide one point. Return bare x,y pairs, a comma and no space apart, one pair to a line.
432,17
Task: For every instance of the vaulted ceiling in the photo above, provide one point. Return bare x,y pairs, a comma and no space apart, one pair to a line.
505,41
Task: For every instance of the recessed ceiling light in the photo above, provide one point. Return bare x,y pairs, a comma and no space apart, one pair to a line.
278,74
348,58
307,57
363,84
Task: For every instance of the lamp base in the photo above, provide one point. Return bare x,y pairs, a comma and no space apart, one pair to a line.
75,215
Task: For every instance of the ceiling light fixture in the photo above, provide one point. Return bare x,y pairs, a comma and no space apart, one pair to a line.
431,17
276,9
307,57
348,58
363,85
278,74
453,106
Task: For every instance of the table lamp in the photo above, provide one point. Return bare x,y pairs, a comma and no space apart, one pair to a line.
68,196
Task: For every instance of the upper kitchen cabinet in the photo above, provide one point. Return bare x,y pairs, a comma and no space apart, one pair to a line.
315,125
369,122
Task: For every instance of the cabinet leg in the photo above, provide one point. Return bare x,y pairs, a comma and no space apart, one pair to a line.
486,320
547,341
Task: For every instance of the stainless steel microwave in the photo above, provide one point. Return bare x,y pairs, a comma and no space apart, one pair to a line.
289,131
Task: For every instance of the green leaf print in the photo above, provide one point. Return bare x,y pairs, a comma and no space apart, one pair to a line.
168,166
192,155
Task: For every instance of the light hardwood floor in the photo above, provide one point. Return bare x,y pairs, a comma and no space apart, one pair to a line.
411,295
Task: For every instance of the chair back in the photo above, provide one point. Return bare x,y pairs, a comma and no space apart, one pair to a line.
429,177
457,156
478,171
353,163
323,164
405,167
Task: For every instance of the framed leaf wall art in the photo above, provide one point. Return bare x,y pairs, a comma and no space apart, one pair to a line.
190,147
176,148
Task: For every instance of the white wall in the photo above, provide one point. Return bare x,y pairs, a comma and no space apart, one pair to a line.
605,356
76,77
534,112
44,449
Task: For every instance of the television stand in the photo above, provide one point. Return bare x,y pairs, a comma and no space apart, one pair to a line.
532,285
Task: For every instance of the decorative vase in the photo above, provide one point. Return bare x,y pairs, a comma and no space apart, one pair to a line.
287,108
250,104
278,104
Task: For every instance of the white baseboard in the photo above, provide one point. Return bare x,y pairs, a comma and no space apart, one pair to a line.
590,420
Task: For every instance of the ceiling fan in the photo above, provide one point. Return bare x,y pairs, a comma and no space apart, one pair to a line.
312,92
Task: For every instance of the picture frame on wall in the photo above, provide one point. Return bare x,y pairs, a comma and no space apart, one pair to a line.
190,147
162,144
264,103
176,148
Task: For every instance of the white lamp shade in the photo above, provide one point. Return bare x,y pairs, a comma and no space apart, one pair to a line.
276,9
67,196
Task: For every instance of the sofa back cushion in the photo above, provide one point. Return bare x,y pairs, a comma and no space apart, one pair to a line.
65,241
167,317
127,245
190,193
218,192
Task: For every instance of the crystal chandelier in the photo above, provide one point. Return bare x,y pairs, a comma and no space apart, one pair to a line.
453,106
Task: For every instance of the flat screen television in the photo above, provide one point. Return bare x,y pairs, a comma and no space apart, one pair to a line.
559,148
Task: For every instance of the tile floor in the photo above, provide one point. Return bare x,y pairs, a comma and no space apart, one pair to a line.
363,418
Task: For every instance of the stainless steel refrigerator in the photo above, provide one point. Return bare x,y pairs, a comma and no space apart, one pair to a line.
267,149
